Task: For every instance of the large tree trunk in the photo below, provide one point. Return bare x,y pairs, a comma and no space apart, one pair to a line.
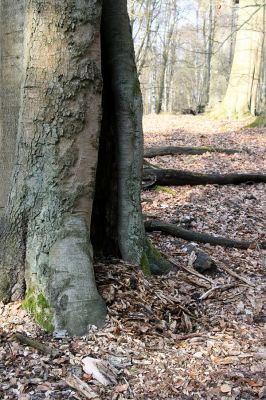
50,204
11,54
46,229
241,93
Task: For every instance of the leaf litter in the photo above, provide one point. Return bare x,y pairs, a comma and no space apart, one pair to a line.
174,337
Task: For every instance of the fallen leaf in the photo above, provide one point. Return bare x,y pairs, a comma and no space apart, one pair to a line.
225,388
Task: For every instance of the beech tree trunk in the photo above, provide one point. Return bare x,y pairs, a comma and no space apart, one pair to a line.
11,56
242,88
46,228
117,219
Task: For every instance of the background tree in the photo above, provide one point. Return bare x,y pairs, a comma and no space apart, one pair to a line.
191,69
241,95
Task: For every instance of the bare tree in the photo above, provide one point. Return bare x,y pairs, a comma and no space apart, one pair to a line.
241,95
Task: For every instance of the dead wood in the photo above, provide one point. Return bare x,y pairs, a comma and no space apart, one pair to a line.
200,260
168,177
189,270
178,231
81,387
151,152
26,341
236,275
222,288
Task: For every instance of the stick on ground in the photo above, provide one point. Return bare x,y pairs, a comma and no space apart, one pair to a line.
172,177
151,152
180,232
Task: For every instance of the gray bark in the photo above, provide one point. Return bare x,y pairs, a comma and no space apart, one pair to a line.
11,55
117,201
47,230
50,203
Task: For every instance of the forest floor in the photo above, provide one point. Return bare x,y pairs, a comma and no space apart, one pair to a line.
169,337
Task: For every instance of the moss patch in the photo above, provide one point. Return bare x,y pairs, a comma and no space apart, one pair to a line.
165,189
145,265
259,122
157,263
37,305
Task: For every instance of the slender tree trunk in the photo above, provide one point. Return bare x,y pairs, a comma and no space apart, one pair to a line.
209,50
171,15
241,93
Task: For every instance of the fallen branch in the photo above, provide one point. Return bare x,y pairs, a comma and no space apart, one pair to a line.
200,260
178,231
236,275
189,270
205,295
174,150
168,177
26,341
81,387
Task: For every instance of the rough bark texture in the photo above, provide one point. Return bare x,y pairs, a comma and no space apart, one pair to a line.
241,94
178,231
11,54
173,150
117,201
53,185
173,177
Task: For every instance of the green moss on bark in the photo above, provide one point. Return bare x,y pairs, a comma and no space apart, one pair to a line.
259,122
37,305
145,265
157,263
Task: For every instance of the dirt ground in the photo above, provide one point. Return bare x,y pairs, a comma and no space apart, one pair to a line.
179,336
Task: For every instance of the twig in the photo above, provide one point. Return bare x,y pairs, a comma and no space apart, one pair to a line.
174,301
179,338
220,287
235,275
189,270
192,281
83,388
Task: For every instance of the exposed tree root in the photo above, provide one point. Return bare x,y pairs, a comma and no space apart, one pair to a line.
152,176
178,231
173,150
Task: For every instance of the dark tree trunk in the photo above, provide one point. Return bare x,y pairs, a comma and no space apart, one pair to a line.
117,218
